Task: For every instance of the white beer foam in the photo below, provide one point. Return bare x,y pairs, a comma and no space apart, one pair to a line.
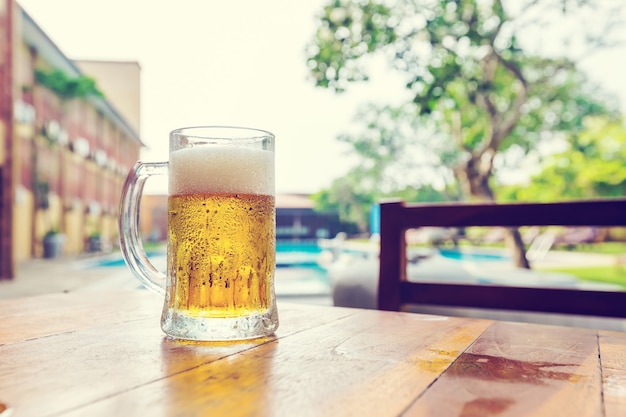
220,169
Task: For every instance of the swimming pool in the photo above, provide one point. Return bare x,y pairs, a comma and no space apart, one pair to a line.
306,255
287,254
291,254
474,255
297,270
300,276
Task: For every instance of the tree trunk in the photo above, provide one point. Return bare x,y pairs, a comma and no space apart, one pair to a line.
515,243
475,182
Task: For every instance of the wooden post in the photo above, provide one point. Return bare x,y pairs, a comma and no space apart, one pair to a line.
393,258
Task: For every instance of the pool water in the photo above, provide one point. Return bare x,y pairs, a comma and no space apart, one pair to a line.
475,256
287,254
306,255
297,270
298,273
297,254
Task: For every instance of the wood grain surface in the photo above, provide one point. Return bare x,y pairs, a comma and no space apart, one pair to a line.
520,370
65,355
613,356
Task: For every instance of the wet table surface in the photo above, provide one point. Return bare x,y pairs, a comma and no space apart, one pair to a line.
103,354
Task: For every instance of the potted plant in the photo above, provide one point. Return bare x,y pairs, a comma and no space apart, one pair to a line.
53,244
94,243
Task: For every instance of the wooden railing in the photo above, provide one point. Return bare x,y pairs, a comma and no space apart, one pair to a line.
395,291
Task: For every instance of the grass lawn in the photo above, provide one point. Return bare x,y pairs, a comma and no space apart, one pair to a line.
608,274
606,248
154,246
611,274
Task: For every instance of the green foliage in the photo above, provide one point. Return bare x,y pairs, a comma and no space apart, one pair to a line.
351,205
352,198
592,166
50,233
476,92
67,87
347,31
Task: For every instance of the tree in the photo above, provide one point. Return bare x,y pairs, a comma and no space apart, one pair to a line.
591,166
353,202
383,149
472,83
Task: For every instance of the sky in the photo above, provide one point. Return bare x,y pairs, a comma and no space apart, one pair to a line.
241,63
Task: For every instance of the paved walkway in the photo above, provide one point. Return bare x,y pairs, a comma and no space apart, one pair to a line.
43,276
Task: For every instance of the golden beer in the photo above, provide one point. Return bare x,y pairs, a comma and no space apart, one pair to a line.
221,255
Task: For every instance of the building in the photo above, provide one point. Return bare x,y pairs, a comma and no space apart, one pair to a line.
296,219
63,159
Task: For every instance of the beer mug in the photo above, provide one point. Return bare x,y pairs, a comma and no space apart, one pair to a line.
221,246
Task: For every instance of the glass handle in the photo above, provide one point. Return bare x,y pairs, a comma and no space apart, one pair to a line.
130,243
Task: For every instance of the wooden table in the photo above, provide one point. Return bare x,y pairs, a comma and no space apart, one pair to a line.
103,354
